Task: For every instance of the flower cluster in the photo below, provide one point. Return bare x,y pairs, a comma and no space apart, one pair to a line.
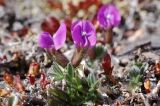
58,39
83,34
108,16
83,31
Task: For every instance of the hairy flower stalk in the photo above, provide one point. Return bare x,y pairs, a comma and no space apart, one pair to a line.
53,44
108,37
108,17
79,54
84,37
59,57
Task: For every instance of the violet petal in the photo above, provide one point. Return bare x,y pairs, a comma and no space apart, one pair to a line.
109,16
92,39
60,36
45,40
76,23
83,33
77,36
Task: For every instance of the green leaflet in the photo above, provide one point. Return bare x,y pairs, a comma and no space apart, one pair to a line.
78,90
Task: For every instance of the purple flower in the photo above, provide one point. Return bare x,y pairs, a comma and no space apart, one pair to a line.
108,16
47,41
83,33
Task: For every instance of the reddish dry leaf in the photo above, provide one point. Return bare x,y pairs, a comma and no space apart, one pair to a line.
34,69
50,24
68,22
2,2
31,79
43,81
87,3
106,64
14,82
54,4
23,32
73,9
83,5
147,86
43,77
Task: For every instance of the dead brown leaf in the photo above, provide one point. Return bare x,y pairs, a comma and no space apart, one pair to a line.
147,86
